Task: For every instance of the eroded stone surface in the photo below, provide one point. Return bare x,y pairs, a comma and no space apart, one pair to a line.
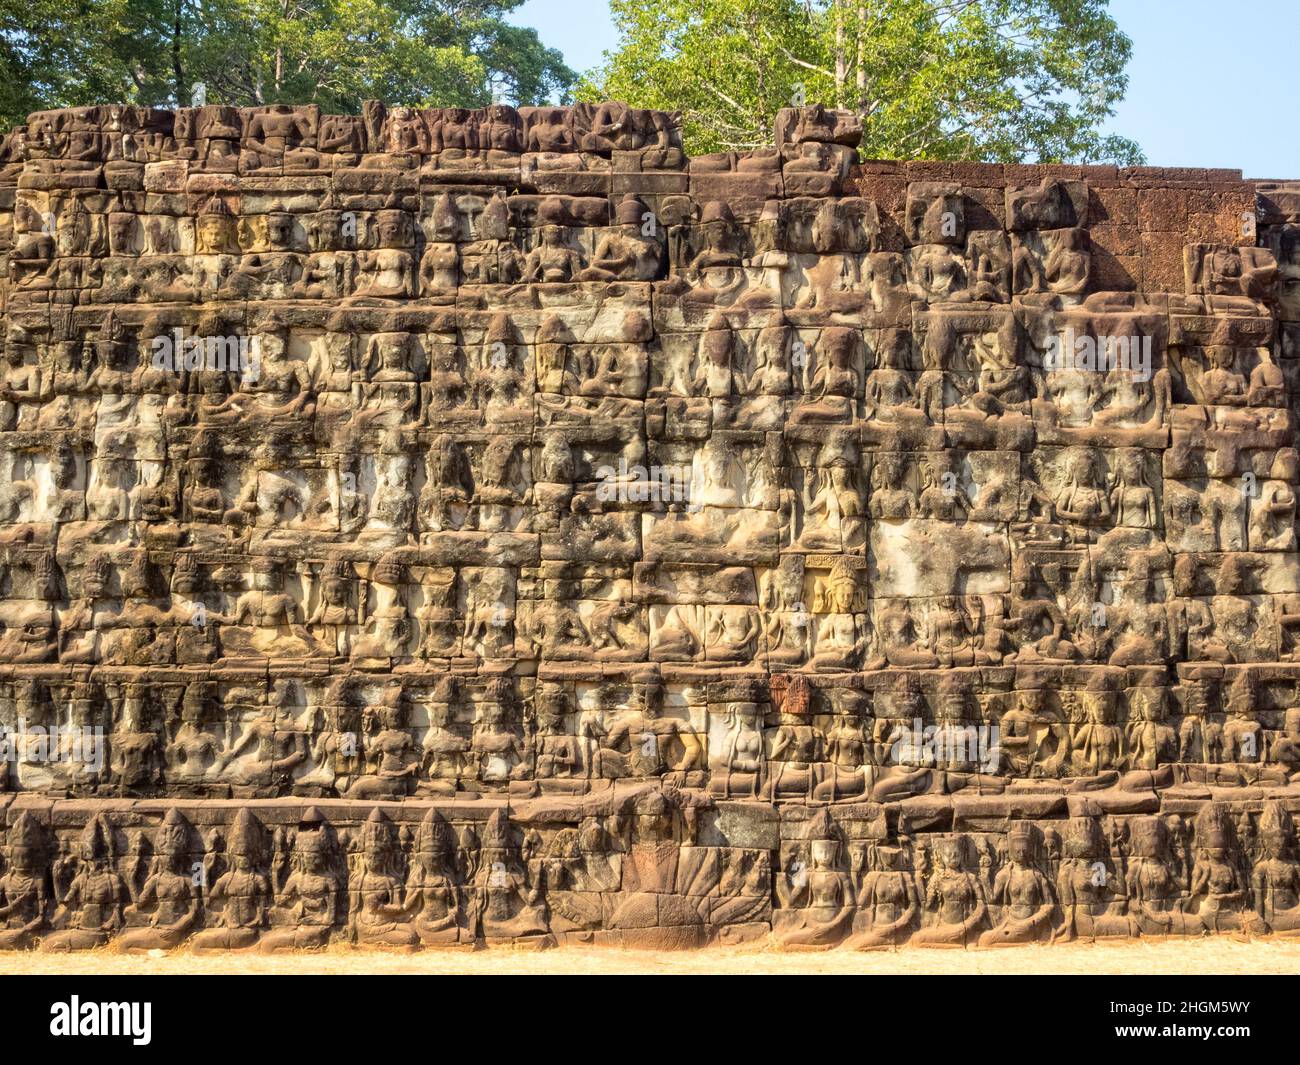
448,527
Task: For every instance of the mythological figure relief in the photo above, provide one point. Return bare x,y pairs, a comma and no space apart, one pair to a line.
463,527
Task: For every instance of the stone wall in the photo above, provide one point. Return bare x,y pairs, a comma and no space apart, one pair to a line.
432,527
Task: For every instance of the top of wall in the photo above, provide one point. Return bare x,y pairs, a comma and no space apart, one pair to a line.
600,130
1140,218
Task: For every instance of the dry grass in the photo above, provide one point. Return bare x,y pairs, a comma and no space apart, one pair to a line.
1221,954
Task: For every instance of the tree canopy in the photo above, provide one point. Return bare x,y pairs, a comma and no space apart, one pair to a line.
335,53
999,80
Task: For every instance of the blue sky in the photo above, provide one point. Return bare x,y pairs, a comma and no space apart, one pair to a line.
1209,81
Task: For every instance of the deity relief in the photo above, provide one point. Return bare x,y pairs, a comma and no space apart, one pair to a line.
452,528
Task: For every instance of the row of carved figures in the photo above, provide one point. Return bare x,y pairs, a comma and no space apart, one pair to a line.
403,495
1053,614
997,363
640,873
834,745
277,135
717,256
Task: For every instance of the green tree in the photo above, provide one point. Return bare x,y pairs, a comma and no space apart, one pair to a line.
1000,80
58,53
336,53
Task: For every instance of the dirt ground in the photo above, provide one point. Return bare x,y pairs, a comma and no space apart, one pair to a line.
1211,955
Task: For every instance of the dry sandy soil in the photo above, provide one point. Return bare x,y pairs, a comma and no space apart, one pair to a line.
1218,955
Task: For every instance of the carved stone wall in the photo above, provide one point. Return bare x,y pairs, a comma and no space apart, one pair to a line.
431,527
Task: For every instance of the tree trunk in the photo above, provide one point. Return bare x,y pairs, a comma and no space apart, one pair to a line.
840,68
178,69
862,52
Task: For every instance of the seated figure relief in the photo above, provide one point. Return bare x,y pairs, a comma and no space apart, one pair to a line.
619,547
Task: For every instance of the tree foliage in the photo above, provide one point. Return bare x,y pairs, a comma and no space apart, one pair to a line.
336,53
1001,80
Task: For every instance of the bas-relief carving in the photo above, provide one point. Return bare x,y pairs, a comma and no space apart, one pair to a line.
544,537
